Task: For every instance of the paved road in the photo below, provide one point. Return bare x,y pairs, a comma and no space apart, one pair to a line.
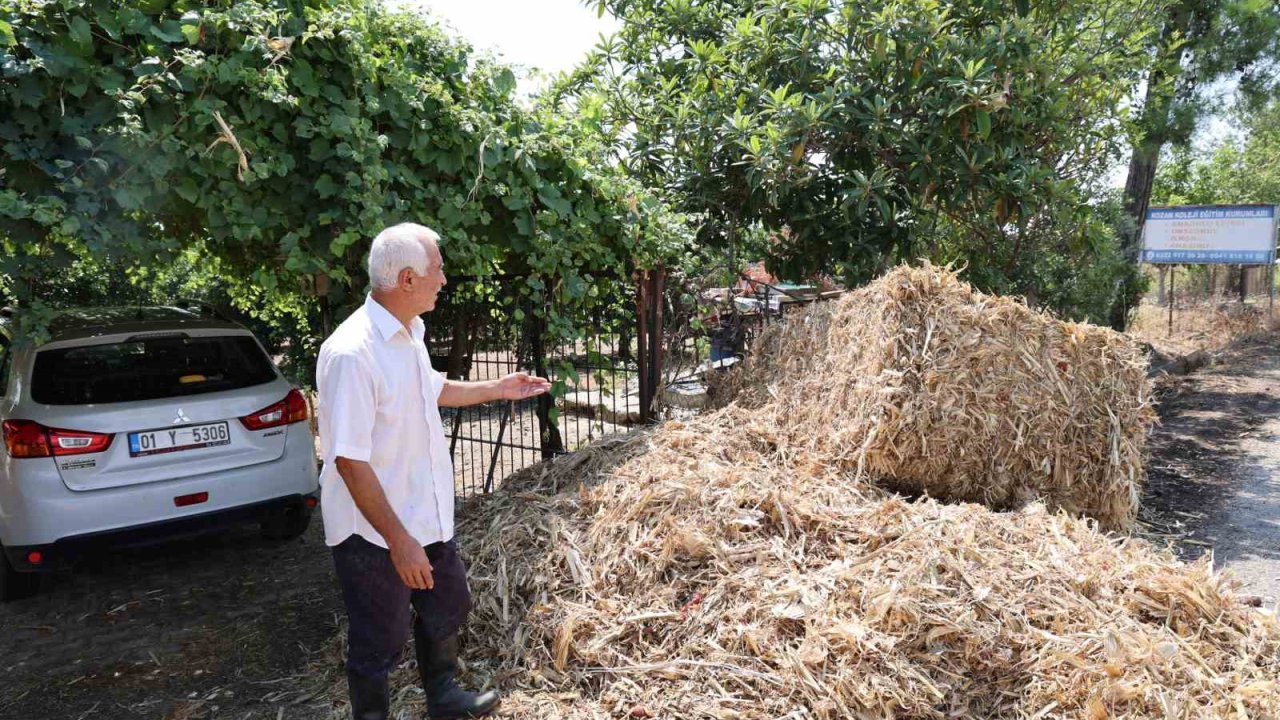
1215,470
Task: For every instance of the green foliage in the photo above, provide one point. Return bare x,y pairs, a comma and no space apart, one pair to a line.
1200,43
1069,263
193,280
1231,173
281,138
856,132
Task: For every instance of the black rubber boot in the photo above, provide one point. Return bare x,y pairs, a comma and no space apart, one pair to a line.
438,666
370,697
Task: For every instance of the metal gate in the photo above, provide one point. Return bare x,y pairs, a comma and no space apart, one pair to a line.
606,374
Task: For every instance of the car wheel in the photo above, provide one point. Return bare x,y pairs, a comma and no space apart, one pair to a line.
286,524
16,585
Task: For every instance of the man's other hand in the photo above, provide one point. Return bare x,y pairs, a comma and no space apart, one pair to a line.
412,565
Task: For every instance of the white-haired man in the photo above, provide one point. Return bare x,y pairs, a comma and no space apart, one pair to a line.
387,482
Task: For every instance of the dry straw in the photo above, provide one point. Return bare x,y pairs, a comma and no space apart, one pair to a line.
934,388
734,566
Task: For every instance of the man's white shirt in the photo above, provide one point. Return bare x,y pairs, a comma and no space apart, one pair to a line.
378,403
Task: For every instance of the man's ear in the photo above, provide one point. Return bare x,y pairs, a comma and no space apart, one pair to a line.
404,277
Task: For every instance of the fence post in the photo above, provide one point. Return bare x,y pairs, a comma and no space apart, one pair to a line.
459,346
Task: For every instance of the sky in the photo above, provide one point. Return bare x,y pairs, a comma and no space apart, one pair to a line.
546,35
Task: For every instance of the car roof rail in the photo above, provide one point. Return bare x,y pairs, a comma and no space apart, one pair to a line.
205,308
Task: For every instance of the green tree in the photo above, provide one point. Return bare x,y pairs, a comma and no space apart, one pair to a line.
280,137
860,133
1201,42
1235,171
1240,170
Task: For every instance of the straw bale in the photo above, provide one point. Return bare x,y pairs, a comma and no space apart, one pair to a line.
935,388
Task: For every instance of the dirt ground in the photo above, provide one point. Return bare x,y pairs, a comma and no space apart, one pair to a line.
1214,474
234,626
1199,323
225,626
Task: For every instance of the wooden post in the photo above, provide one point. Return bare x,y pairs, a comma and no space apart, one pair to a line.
1172,273
649,288
1271,293
642,336
326,316
655,342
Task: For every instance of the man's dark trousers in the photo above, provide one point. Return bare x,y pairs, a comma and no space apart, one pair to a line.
378,603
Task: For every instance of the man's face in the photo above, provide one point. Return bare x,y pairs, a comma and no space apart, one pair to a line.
421,290
427,287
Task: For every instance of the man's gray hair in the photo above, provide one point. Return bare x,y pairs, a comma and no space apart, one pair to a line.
396,248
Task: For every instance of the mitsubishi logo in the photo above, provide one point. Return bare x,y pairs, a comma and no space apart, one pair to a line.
181,417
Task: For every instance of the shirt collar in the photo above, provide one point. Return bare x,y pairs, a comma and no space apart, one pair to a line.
387,324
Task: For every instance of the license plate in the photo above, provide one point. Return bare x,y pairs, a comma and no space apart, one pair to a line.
190,437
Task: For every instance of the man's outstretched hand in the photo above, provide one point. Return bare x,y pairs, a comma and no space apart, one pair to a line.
518,386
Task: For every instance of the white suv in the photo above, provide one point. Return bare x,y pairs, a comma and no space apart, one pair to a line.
132,425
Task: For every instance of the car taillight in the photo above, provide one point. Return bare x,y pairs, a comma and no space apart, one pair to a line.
75,442
292,409
27,439
295,406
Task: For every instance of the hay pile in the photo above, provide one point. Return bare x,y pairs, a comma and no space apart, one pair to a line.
723,575
719,568
933,387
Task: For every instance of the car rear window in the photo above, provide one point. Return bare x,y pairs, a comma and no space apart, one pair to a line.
148,368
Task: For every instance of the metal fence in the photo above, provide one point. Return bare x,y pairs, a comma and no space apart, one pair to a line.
639,350
483,330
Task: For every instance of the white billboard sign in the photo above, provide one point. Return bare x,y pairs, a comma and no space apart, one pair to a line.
1231,234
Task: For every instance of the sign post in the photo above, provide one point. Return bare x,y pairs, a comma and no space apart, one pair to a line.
1211,234
1224,234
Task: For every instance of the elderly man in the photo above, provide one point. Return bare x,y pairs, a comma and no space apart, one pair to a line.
387,483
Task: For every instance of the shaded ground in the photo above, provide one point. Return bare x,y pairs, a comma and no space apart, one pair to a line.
1214,482
217,627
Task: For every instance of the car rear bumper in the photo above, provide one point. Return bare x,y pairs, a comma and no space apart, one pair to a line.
37,509
66,550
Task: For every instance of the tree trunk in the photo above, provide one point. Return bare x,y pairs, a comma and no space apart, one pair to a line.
1146,153
1137,197
1161,272
548,430
459,349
